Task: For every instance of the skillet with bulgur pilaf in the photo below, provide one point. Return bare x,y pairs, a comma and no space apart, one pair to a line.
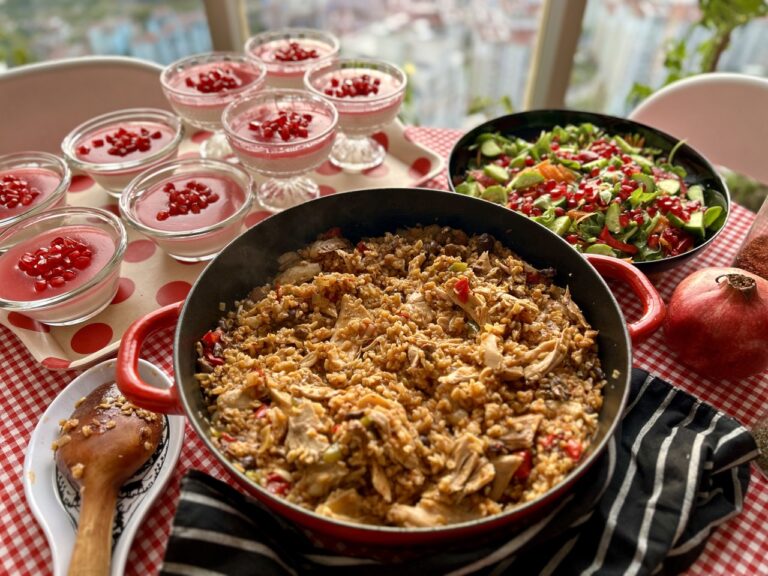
420,378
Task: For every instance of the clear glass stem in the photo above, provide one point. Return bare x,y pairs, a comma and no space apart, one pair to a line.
217,148
277,194
353,153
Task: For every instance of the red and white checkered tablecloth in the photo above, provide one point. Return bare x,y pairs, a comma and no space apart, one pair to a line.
26,389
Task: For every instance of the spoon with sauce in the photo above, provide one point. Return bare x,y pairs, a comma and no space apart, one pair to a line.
102,444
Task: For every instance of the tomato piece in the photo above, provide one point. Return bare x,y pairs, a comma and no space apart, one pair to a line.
210,338
278,485
573,449
461,289
524,470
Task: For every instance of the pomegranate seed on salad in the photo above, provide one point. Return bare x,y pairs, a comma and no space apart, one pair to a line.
604,193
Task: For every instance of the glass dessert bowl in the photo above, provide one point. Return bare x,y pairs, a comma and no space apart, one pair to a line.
62,266
288,53
191,208
368,95
282,134
114,148
31,182
200,87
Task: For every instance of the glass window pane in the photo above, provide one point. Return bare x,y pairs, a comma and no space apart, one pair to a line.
624,41
465,60
38,30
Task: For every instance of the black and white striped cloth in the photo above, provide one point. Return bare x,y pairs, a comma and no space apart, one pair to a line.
677,469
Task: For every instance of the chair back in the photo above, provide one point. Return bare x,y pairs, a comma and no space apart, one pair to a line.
722,115
41,103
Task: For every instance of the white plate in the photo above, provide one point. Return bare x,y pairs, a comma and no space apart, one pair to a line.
56,504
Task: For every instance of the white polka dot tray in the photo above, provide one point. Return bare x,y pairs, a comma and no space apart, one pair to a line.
151,279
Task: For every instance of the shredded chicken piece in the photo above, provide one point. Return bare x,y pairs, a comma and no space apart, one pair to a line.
554,357
492,356
475,305
305,442
521,431
429,512
461,374
380,482
505,467
298,273
345,505
471,470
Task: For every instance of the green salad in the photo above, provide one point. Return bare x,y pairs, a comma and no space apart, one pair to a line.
605,194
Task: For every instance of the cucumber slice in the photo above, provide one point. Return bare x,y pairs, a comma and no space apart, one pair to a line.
695,224
669,186
603,249
527,179
599,163
490,148
645,181
544,201
498,173
496,194
696,193
711,215
625,146
675,221
561,225
468,188
612,218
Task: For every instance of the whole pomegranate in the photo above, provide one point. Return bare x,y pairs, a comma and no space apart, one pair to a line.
717,323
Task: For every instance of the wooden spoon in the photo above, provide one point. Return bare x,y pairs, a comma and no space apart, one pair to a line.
104,442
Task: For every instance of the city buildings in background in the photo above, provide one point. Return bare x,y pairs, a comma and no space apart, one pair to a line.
466,59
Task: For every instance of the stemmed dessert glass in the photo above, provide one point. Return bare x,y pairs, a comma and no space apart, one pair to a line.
368,95
281,134
200,87
289,52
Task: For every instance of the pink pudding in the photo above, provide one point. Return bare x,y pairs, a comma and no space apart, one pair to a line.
288,56
116,147
366,98
189,202
24,188
283,140
191,208
201,91
54,262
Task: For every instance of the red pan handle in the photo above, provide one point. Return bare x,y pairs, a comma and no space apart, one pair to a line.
164,401
654,309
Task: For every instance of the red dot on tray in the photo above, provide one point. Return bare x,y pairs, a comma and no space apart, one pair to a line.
326,190
125,290
256,217
327,169
80,183
27,323
379,171
139,250
172,292
382,139
55,363
91,338
201,136
420,168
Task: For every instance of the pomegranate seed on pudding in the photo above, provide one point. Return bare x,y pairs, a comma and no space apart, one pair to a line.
190,208
29,183
114,148
282,134
55,262
288,53
123,142
368,95
61,266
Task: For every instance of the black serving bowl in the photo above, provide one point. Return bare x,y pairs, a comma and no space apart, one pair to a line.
528,125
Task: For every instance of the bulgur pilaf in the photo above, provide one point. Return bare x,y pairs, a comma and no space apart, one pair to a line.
420,378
